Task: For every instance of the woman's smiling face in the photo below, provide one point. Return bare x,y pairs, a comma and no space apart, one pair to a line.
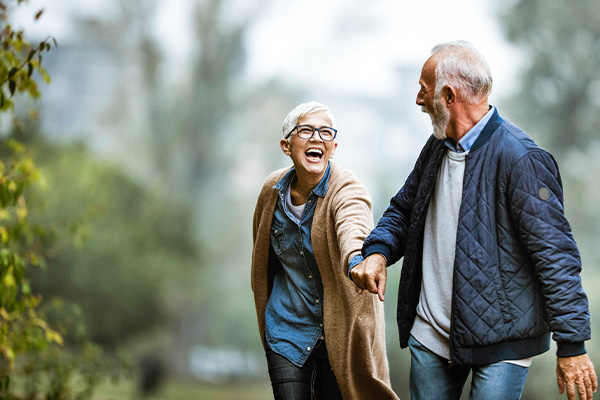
312,155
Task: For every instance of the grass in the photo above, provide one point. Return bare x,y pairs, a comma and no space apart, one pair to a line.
189,390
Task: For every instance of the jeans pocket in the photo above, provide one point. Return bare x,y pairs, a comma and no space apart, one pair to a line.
278,238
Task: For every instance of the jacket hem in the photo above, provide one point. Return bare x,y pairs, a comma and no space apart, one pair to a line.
514,350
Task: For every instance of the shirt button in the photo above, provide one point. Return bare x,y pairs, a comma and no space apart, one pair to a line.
317,300
301,253
321,325
308,348
310,277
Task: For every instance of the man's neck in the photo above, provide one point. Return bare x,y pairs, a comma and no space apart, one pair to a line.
465,118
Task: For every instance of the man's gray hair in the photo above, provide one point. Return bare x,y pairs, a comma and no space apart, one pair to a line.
462,66
303,110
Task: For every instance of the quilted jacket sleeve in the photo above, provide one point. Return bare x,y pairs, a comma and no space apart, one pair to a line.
390,235
536,208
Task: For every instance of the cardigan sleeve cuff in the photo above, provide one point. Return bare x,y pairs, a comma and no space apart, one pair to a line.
377,248
570,349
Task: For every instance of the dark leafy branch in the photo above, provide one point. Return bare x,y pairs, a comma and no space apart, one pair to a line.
43,46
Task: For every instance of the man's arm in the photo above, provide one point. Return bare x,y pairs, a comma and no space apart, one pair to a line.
386,242
538,213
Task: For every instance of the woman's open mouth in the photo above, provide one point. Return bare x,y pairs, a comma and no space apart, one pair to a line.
314,154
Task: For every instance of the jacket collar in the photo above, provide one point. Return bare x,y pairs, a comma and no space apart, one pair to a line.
495,121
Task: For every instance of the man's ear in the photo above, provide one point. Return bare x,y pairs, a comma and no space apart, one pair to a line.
449,95
285,147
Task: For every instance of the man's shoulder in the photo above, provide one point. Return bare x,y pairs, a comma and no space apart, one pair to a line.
514,141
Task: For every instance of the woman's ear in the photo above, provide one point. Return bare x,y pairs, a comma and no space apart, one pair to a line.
285,147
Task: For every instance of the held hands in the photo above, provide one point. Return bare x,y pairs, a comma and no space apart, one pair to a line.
576,371
371,275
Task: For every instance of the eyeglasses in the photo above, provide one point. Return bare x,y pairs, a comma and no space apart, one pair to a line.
306,132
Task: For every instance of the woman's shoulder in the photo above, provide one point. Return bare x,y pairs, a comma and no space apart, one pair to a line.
341,176
275,177
344,181
267,190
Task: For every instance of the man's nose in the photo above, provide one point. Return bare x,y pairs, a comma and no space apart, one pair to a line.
420,101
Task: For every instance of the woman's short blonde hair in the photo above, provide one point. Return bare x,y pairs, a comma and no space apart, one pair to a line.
302,110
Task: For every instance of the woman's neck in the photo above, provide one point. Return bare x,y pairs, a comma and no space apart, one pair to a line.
301,187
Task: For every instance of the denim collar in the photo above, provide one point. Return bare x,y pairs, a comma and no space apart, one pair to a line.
320,190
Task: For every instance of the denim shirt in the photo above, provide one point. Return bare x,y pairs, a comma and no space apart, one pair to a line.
294,313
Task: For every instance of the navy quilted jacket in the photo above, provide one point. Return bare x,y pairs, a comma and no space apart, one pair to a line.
516,270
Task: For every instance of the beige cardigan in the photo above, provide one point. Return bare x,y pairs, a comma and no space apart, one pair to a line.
353,323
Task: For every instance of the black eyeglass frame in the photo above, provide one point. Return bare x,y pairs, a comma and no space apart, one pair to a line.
313,132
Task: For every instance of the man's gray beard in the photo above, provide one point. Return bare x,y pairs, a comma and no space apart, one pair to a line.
439,118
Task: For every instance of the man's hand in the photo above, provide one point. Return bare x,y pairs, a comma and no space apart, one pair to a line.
576,371
371,275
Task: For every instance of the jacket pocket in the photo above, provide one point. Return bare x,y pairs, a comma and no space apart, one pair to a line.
278,238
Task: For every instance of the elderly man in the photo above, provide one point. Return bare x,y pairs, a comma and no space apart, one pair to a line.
490,263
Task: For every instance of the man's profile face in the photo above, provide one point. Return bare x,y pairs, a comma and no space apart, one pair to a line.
431,103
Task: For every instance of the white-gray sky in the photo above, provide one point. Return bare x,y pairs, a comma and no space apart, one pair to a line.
324,42
345,53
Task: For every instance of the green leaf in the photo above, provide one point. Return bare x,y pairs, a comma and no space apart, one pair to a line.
26,288
5,383
12,86
4,254
9,280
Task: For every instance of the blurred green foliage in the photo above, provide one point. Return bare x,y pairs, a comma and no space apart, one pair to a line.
557,89
35,359
132,245
22,328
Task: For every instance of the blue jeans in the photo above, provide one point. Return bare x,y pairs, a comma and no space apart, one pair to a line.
314,380
431,378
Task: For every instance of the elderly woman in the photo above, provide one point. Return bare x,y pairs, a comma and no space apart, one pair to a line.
322,339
